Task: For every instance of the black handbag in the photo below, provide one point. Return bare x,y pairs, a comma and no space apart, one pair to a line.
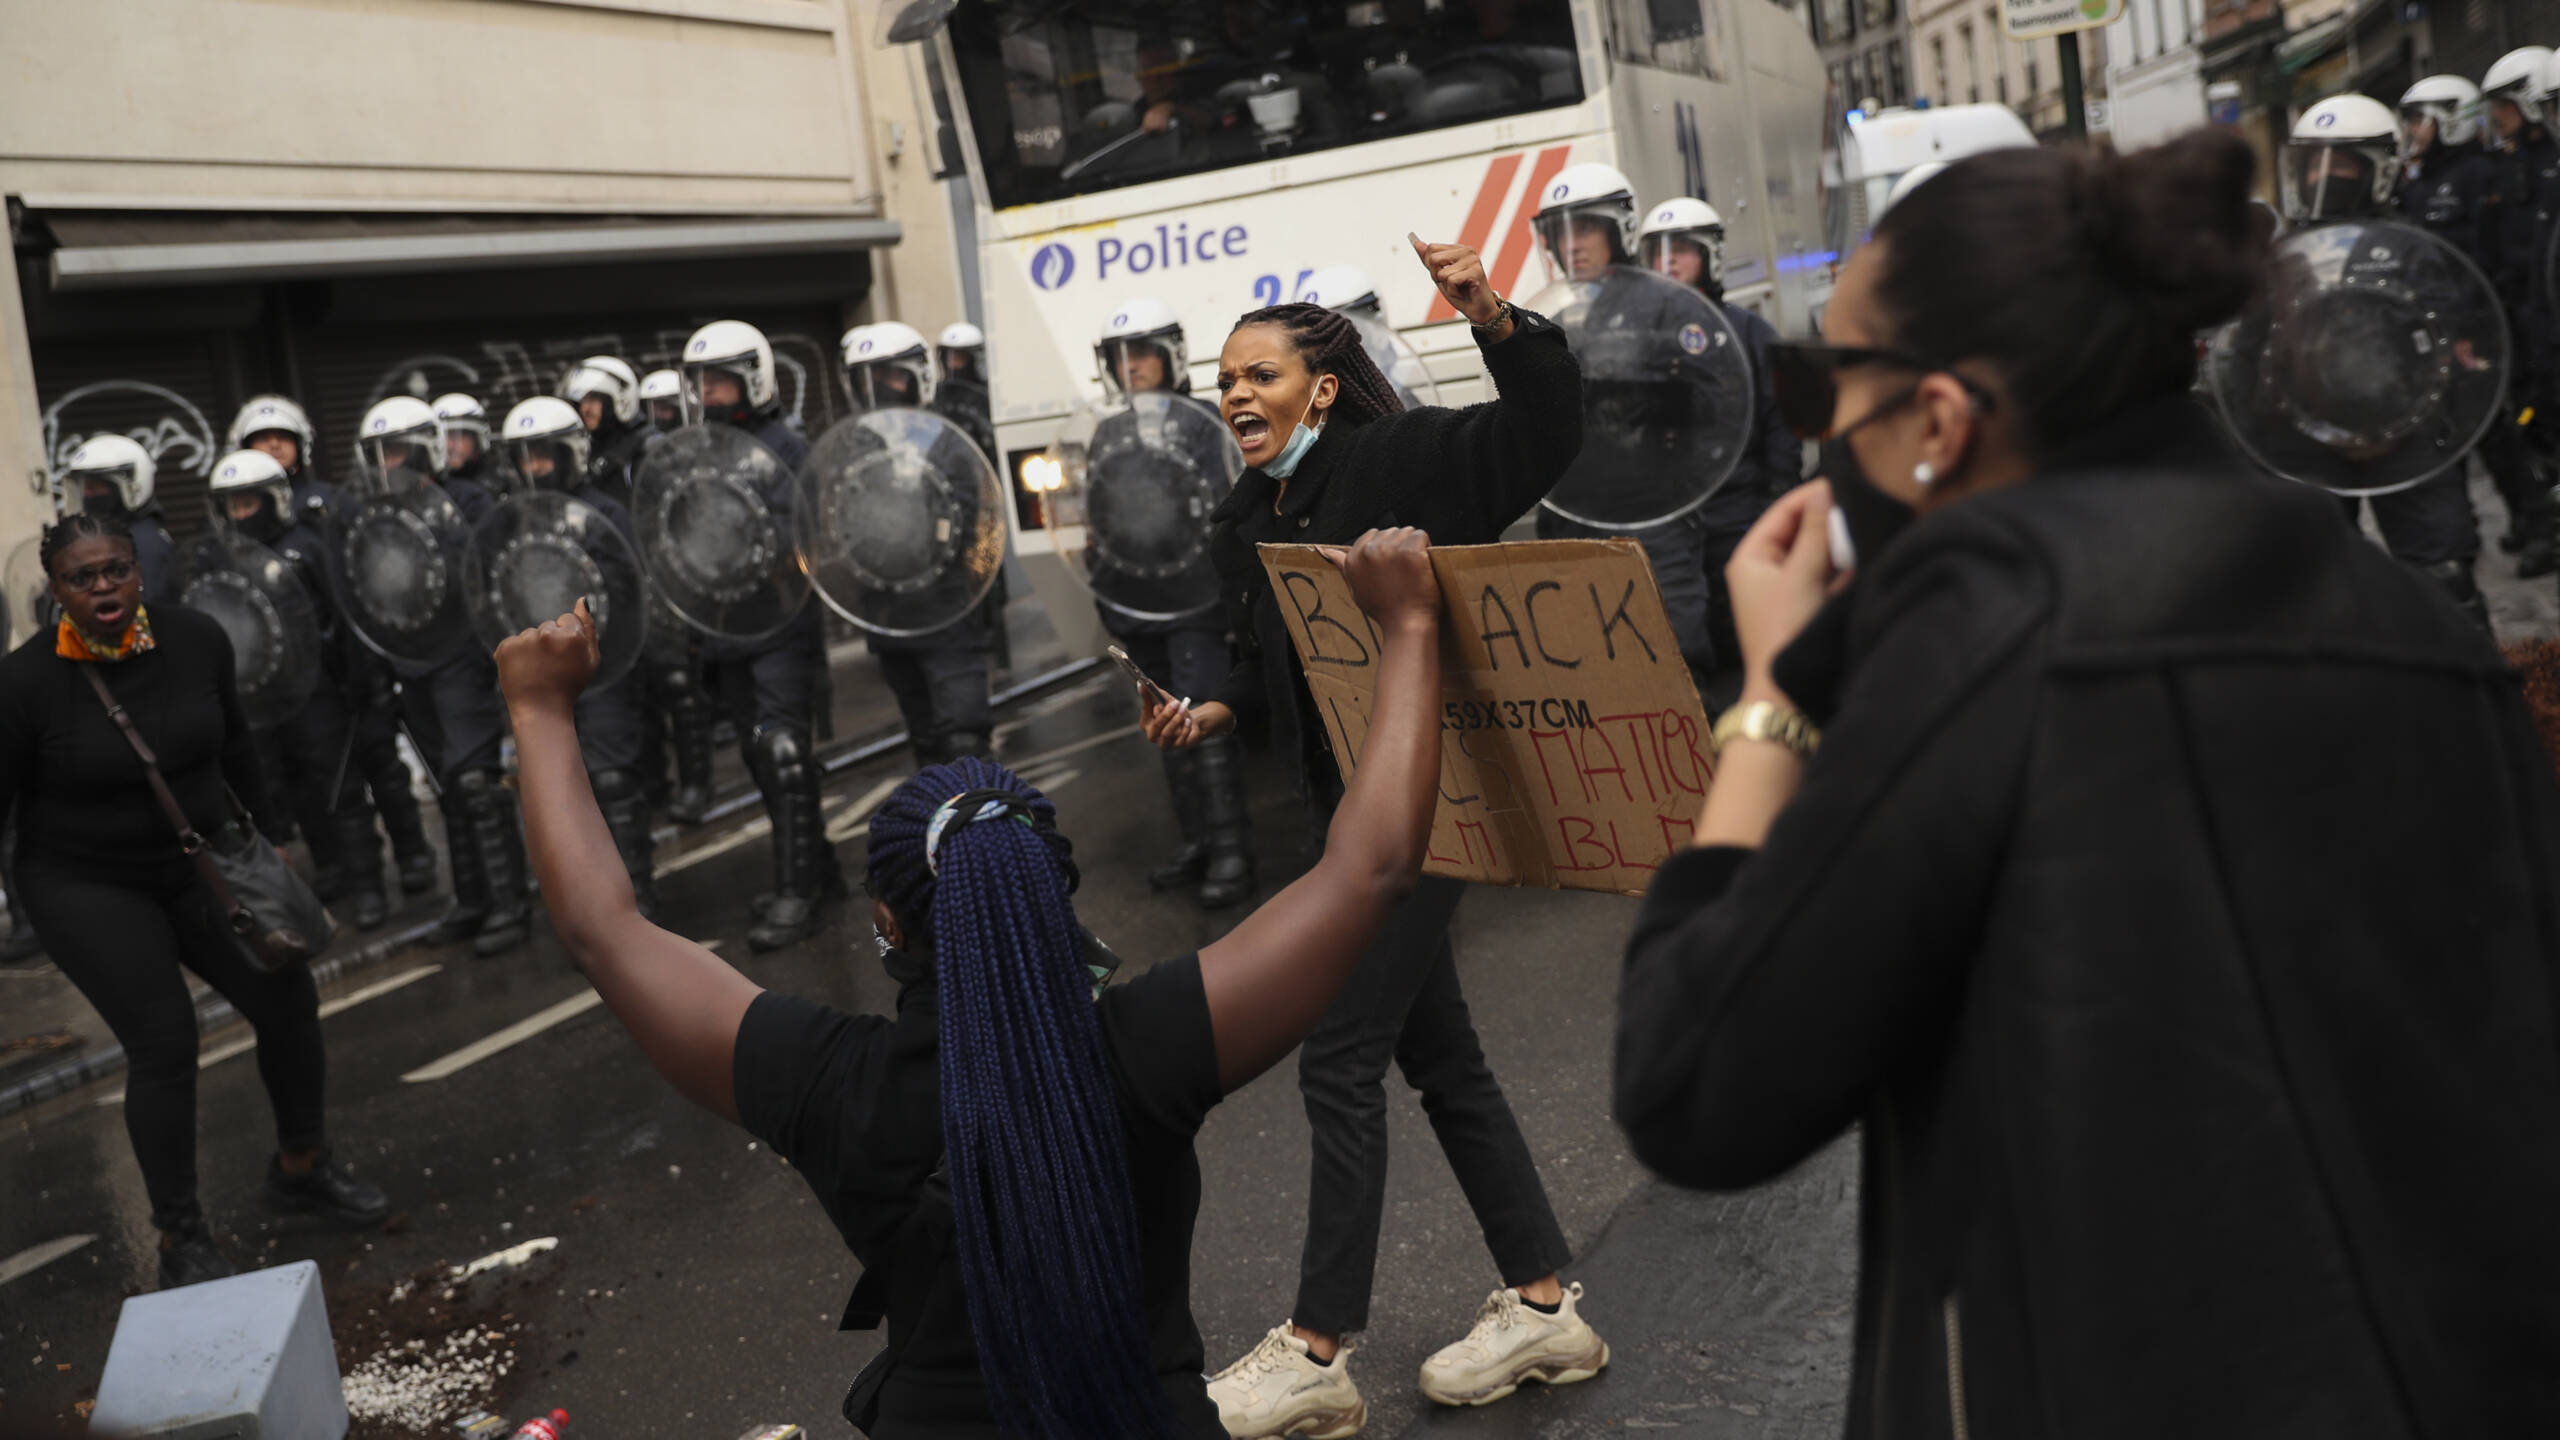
271,913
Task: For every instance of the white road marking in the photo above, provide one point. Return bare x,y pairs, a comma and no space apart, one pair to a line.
36,1257
348,1001
514,1035
856,819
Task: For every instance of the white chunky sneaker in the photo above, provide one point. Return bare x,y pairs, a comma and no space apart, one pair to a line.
1279,1389
1510,1343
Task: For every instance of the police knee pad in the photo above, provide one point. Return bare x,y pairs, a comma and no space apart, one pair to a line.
780,748
614,785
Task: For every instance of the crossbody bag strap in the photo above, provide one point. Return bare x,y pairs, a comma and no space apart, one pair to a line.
189,839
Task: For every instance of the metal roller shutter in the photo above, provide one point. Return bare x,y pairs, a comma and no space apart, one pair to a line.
163,391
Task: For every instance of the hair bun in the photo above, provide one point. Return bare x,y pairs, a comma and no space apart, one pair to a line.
2175,220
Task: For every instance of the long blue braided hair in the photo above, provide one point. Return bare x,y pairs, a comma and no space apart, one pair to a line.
1048,1234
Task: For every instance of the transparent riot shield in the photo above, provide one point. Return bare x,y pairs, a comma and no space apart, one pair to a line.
1130,515
26,602
713,507
1399,362
900,521
257,598
395,559
535,555
2375,358
1667,388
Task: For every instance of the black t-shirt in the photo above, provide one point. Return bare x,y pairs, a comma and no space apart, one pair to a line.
854,1102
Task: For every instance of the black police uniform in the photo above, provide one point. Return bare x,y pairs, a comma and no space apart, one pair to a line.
613,737
309,758
1772,464
156,555
456,715
940,679
770,688
2522,199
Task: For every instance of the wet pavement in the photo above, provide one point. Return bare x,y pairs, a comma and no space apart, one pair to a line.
696,1286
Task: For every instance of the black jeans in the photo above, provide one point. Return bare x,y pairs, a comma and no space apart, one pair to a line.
120,933
1403,1004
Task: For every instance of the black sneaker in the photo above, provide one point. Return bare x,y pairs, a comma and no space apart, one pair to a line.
328,1194
191,1258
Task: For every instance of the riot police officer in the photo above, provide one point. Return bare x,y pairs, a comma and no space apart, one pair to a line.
547,443
276,426
662,395
770,685
607,395
2343,164
939,679
2524,205
1656,358
1683,238
307,757
112,475
450,697
960,383
469,457
1141,351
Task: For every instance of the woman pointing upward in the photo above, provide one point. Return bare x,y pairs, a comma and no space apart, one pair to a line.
1330,454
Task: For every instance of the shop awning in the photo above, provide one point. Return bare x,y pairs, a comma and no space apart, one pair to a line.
122,250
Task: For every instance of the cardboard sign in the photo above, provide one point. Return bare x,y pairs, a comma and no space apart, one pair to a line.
1573,747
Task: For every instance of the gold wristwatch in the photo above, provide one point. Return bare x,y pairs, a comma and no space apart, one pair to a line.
1765,720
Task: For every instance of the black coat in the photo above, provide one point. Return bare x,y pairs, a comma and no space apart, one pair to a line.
1461,476
2171,901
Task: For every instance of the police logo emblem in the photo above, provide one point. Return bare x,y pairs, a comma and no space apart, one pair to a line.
1693,338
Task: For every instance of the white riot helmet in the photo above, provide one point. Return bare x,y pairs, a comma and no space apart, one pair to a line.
115,462
663,392
272,412
1142,327
608,377
961,351
402,433
460,414
252,472
1345,289
2343,159
1683,220
2450,101
737,348
546,439
1582,195
2519,79
889,366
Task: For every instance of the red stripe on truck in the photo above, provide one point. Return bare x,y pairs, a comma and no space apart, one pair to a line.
1480,216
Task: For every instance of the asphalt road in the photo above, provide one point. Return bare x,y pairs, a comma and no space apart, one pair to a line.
695,1286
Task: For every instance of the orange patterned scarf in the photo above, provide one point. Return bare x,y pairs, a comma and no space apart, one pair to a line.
71,644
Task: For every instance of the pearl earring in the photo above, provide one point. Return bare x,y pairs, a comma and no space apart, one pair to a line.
1924,474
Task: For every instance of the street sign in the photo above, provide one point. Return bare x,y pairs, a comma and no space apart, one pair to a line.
2042,19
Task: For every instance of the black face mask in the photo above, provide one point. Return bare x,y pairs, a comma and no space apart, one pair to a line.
1873,517
2341,195
266,525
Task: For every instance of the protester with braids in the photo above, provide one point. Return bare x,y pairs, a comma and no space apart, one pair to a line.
115,898
1010,1155
1330,453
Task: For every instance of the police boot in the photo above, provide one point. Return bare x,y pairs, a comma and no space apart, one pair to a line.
625,803
500,846
2455,579
804,864
689,734
361,850
1182,777
462,919
2538,552
398,806
1226,824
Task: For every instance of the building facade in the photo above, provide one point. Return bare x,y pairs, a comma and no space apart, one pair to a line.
345,199
1965,58
2155,71
1866,50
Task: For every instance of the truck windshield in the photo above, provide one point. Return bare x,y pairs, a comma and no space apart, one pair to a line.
1086,95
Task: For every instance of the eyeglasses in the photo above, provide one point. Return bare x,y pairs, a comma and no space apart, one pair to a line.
1806,377
115,572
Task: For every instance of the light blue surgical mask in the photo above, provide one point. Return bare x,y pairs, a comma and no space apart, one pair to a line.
1301,440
